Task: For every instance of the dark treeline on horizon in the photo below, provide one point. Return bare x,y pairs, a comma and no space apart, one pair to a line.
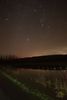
41,62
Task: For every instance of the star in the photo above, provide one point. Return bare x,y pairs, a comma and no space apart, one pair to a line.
34,10
28,39
6,19
42,25
49,26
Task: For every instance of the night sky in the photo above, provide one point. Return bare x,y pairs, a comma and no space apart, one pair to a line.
33,27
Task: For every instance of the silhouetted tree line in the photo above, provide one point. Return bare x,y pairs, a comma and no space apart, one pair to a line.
41,62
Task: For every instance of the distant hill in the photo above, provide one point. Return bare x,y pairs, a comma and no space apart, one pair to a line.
38,62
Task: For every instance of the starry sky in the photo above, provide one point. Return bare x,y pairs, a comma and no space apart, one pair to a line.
33,27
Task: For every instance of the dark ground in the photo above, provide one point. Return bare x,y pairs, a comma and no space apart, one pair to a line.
3,96
10,91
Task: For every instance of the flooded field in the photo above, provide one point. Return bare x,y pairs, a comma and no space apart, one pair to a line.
50,82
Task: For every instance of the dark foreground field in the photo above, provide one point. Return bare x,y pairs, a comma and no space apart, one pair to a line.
11,91
29,84
3,96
